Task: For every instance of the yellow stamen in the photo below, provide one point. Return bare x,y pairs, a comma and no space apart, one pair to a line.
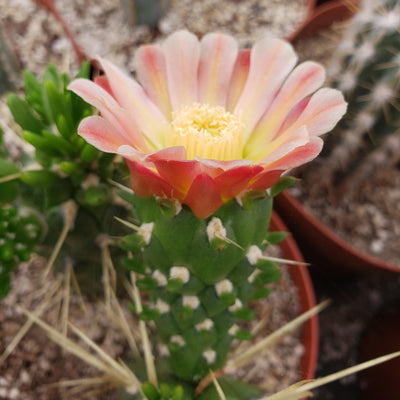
208,132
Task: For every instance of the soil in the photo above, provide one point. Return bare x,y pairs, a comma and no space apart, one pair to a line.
31,371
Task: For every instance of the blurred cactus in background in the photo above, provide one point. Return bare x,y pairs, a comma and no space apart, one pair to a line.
8,67
66,180
20,230
144,12
366,68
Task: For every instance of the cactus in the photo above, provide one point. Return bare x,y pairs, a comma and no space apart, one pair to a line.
366,68
8,67
144,12
200,275
19,233
63,168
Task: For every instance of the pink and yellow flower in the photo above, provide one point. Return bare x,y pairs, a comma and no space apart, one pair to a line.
206,122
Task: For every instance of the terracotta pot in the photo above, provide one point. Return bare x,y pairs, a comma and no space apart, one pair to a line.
320,244
381,337
321,15
301,279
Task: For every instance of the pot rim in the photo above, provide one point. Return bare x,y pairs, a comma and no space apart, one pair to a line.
302,280
315,232
321,17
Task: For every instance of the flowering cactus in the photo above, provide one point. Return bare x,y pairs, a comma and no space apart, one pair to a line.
208,122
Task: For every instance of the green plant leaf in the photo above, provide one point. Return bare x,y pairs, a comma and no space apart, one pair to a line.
285,182
23,115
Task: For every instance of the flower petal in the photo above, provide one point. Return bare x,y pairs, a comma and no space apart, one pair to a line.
235,180
221,165
110,110
304,80
203,197
100,133
132,97
146,183
299,155
169,153
181,173
239,78
217,59
182,53
270,63
152,74
265,179
322,112
102,81
281,145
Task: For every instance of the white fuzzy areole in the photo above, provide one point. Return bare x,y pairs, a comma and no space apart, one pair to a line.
181,273
146,231
210,355
254,254
190,301
206,325
215,229
224,286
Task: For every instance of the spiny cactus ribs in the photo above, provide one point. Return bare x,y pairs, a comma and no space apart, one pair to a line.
366,68
200,275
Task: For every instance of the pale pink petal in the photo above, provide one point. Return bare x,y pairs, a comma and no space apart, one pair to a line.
323,111
102,81
304,80
222,165
152,74
271,61
217,59
294,114
169,153
282,145
132,97
100,133
239,78
131,153
177,153
182,53
299,155
110,110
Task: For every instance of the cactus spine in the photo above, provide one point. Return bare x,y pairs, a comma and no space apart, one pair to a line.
366,68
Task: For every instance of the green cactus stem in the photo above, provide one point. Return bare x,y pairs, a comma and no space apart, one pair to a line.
200,276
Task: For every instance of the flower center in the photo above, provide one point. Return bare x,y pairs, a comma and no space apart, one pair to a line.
208,132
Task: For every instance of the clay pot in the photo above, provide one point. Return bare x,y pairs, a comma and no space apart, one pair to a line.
382,337
320,244
321,15
301,279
